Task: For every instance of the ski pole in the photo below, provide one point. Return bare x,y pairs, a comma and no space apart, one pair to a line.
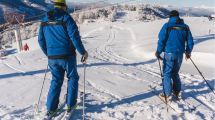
41,91
83,60
84,90
161,74
202,76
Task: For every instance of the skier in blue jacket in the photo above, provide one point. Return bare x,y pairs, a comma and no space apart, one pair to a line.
175,39
59,38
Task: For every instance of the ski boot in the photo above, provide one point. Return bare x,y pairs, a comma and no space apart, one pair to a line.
50,114
177,95
165,98
69,109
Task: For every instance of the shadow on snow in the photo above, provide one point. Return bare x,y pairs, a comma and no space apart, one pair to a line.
4,76
201,39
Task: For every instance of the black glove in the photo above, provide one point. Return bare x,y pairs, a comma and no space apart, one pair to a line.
158,56
188,55
84,57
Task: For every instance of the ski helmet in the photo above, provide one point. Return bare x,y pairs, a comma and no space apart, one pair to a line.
60,3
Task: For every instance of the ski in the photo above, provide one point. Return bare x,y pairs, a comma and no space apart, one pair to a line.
68,115
190,107
177,100
168,105
56,113
40,115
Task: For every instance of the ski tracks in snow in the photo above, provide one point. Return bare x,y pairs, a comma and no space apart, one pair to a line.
117,87
105,53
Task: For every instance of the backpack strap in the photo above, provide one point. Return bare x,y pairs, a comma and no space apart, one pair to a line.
52,23
176,28
170,28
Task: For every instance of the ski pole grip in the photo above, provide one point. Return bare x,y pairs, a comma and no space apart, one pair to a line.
83,60
160,58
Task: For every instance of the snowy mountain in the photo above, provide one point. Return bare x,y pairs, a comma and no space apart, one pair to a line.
150,13
143,12
94,13
28,7
36,8
193,11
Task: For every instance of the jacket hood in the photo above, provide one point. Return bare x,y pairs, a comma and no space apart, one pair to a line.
54,13
176,20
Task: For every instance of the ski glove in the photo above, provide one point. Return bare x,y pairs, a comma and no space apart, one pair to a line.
84,57
158,56
188,55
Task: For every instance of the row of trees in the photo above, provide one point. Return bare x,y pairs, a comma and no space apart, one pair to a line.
26,31
109,14
145,13
151,13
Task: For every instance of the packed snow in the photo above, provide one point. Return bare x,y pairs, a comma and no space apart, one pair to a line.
121,72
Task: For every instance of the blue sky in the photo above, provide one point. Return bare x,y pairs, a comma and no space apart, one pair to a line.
186,3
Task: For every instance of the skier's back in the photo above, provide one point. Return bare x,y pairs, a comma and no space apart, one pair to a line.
59,38
175,39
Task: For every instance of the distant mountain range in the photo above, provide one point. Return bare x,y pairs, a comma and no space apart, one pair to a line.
34,9
28,7
193,11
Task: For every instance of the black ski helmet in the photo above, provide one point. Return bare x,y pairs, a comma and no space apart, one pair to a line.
174,13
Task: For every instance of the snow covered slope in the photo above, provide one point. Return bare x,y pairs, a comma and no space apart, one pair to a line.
121,68
193,11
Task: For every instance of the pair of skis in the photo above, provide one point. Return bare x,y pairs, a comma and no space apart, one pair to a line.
68,115
191,108
61,113
178,101
58,112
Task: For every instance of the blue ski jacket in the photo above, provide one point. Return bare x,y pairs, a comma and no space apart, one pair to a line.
174,41
56,40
